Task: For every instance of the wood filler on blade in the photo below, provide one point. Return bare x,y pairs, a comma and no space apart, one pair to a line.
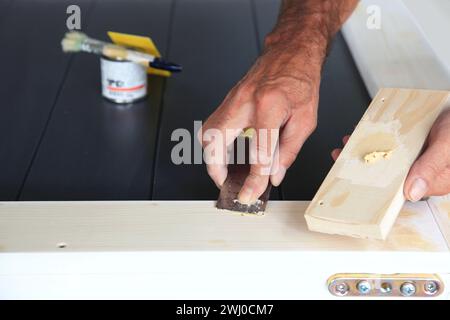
123,81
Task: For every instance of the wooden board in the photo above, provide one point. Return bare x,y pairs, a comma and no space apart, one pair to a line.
362,199
432,18
186,275
189,250
440,206
192,225
396,55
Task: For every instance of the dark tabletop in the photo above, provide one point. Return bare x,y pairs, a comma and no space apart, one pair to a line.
60,140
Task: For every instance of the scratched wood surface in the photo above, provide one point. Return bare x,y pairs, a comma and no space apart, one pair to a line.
363,199
192,225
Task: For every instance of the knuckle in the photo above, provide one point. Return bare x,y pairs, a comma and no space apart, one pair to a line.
245,90
240,94
232,111
257,176
269,98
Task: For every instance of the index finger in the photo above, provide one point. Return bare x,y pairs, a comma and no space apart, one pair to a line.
218,134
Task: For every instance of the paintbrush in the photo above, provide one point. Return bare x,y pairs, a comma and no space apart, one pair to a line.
75,41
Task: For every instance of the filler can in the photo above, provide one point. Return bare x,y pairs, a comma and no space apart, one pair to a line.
123,81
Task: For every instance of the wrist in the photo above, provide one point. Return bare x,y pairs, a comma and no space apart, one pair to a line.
298,60
307,35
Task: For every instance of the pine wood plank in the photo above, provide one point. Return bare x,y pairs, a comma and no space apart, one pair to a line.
440,207
362,199
192,226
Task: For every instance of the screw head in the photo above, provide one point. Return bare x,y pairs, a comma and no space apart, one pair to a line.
408,289
431,287
341,289
386,288
364,287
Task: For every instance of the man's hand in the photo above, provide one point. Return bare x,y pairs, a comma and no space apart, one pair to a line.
430,173
279,92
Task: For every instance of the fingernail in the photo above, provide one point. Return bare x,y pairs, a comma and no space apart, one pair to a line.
278,177
418,190
245,196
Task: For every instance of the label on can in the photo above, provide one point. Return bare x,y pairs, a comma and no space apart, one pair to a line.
123,81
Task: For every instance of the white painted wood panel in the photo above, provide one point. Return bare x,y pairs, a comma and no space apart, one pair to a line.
433,19
398,55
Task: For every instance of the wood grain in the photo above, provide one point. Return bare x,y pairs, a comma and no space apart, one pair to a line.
363,200
440,207
192,226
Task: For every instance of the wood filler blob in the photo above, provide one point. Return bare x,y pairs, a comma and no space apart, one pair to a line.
376,156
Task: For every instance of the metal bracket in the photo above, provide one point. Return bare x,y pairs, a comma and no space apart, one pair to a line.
385,285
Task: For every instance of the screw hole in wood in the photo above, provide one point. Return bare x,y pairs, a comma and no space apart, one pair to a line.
61,245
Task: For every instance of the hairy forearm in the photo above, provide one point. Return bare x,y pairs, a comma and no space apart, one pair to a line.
309,25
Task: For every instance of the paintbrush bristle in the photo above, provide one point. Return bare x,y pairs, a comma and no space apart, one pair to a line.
73,41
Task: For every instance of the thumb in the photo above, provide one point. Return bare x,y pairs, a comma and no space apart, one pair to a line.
430,174
424,174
